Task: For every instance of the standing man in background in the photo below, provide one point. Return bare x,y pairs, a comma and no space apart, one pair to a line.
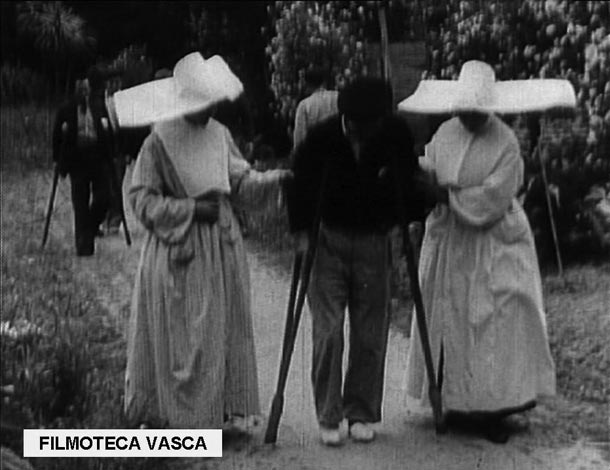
79,131
318,106
116,161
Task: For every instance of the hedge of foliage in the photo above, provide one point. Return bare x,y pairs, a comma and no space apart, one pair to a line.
20,84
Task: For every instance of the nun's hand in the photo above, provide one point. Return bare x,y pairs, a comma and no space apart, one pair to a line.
207,208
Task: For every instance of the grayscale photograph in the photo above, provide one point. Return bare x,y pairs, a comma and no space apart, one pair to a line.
305,235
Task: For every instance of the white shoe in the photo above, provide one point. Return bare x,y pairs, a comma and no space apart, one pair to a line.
331,437
361,432
241,425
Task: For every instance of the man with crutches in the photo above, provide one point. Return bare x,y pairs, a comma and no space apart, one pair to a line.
82,149
350,160
78,153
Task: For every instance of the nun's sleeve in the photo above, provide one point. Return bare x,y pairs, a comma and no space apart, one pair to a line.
250,189
169,218
300,125
483,205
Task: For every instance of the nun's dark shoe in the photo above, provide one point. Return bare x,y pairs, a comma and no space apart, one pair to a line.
495,431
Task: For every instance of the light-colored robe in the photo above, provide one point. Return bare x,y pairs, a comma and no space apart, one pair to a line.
480,278
190,346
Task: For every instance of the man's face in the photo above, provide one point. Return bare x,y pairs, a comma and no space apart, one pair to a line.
361,131
473,121
82,89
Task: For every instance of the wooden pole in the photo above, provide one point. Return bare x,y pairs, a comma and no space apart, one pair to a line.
299,286
434,393
386,72
548,197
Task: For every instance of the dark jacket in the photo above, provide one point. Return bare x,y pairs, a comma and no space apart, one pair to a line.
67,113
359,196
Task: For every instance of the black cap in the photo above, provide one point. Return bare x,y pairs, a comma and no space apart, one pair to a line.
365,99
96,78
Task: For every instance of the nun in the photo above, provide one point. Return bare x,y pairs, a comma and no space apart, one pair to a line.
191,359
478,269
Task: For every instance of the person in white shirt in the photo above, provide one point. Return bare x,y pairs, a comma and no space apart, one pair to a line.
317,107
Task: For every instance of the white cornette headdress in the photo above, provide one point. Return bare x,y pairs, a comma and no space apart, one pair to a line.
477,90
195,85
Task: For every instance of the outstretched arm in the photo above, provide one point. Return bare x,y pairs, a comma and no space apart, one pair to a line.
253,190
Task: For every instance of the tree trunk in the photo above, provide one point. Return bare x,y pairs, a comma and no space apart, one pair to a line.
68,78
56,87
386,71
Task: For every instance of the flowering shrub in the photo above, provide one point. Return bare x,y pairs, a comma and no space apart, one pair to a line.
307,34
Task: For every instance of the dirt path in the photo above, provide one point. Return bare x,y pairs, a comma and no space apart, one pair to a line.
406,438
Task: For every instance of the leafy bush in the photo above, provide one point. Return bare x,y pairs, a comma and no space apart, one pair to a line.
60,36
59,368
26,137
134,66
22,85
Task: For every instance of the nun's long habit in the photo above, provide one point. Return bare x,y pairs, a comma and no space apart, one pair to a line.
190,346
480,278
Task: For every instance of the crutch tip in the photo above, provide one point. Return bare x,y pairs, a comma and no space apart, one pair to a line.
441,426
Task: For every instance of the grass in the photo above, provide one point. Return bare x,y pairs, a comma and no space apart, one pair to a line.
62,351
578,315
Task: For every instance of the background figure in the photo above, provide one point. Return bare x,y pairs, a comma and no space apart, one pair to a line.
130,139
115,160
79,131
319,105
358,152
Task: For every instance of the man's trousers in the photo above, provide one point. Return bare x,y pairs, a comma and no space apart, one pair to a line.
90,182
351,270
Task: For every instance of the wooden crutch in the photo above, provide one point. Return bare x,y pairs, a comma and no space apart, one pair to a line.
62,155
547,195
114,179
300,283
434,393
